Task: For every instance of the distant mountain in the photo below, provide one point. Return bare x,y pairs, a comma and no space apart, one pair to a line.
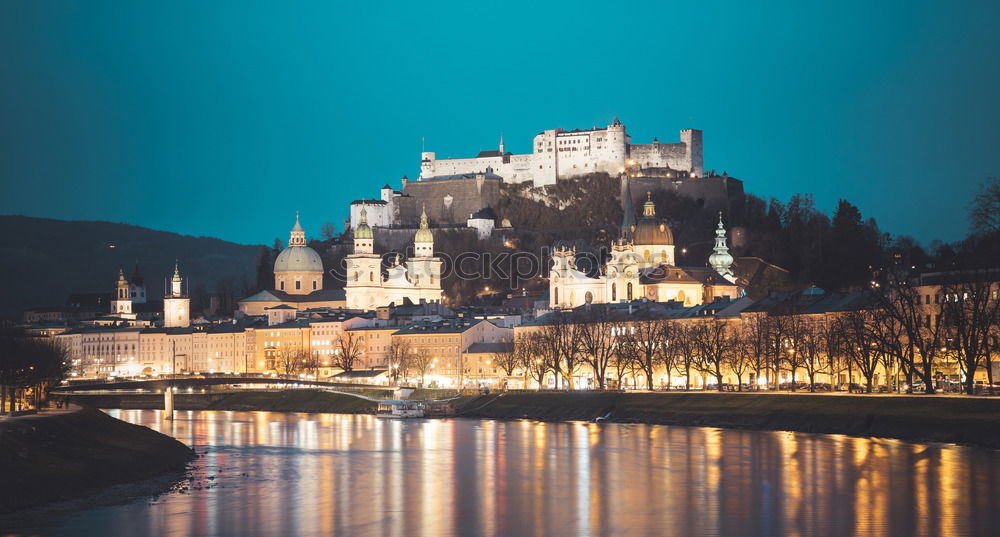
43,260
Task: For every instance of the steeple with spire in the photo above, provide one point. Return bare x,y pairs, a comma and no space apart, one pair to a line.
176,305
298,235
122,303
501,145
649,208
423,241
721,260
628,218
364,239
176,281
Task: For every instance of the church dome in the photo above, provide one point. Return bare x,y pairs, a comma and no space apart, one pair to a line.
298,259
424,233
651,231
363,231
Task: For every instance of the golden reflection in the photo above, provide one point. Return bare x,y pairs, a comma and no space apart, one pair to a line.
323,474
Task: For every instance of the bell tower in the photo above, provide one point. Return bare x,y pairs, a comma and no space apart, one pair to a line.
176,304
122,303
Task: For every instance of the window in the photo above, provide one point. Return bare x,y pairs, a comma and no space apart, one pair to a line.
557,295
630,291
298,285
614,292
314,285
282,285
589,297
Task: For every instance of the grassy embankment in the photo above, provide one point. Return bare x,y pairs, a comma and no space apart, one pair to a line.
297,400
913,418
49,458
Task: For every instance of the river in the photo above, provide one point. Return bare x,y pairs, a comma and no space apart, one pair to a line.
280,474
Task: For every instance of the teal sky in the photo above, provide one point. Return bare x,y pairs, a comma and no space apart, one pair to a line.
223,118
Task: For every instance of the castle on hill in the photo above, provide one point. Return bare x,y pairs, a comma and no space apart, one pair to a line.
561,154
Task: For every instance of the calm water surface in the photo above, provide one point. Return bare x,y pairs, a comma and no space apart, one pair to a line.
326,474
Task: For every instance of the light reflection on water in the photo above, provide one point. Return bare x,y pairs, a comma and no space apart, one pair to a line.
327,474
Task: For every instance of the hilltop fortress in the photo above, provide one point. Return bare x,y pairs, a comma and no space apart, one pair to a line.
561,154
463,192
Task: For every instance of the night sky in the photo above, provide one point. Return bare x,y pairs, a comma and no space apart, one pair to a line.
224,118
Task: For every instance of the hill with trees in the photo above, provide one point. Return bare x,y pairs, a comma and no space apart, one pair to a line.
46,260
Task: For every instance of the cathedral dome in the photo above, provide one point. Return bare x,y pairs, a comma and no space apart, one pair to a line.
363,231
424,233
655,232
651,230
298,259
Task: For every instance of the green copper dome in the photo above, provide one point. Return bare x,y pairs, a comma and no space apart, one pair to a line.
424,233
363,231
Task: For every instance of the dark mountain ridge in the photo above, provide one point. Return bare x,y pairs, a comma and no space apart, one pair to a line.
43,260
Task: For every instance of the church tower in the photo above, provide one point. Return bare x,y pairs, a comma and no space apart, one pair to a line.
424,269
364,269
122,303
176,304
721,260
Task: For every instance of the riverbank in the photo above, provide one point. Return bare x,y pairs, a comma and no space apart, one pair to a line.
259,400
297,400
960,420
61,456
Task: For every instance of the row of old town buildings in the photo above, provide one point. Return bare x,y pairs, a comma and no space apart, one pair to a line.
640,320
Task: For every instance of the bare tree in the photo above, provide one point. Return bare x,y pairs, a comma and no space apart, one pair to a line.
29,363
310,363
810,347
860,343
834,349
349,349
743,359
794,331
986,207
561,343
507,359
775,327
713,340
530,350
288,362
399,359
917,319
972,315
598,340
328,231
644,342
754,343
687,351
422,361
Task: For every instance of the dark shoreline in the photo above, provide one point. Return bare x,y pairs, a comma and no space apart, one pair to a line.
957,420
960,420
75,455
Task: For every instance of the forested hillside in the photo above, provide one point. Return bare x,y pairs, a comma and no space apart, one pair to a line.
43,260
